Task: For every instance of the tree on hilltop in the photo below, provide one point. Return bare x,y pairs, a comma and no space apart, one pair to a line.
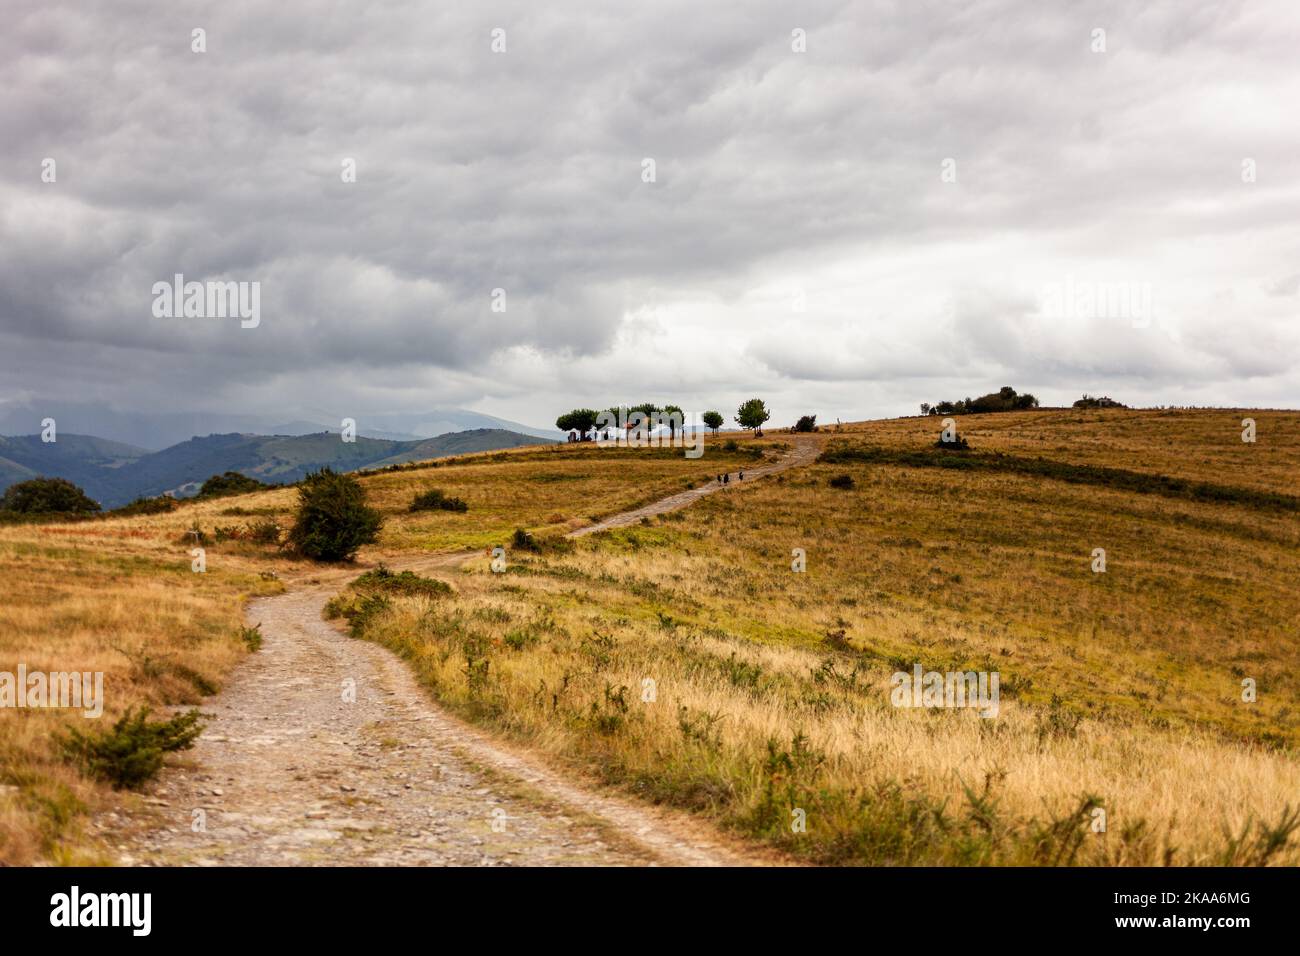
580,420
752,414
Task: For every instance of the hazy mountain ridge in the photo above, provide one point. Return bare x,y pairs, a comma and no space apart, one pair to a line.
157,431
114,473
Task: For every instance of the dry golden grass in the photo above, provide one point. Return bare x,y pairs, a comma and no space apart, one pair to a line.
118,596
1120,690
563,669
1202,444
1124,686
548,488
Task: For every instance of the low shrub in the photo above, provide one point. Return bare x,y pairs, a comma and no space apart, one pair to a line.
959,443
132,751
369,595
436,500
252,637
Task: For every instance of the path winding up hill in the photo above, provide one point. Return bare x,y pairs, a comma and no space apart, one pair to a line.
291,772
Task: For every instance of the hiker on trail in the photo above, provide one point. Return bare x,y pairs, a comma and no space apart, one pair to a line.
742,476
726,479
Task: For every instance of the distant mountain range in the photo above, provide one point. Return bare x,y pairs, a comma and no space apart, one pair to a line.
114,473
156,431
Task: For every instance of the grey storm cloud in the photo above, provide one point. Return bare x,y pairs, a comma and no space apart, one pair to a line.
522,170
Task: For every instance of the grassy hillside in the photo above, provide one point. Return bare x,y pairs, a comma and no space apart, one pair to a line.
1201,444
1121,691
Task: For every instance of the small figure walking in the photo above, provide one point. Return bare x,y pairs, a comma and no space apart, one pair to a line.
742,476
726,479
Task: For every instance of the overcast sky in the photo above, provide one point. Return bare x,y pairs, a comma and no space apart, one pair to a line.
803,239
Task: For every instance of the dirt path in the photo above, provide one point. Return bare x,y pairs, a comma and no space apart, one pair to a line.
803,452
324,750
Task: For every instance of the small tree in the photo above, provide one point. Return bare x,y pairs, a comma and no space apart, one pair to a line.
581,420
752,414
333,518
47,496
806,423
714,420
671,414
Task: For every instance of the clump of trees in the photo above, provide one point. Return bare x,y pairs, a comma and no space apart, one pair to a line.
229,483
1100,401
47,496
333,519
583,422
1005,399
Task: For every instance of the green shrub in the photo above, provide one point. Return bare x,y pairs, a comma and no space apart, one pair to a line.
252,637
47,496
357,609
435,500
229,483
842,481
369,595
524,541
266,531
383,581
333,518
132,751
